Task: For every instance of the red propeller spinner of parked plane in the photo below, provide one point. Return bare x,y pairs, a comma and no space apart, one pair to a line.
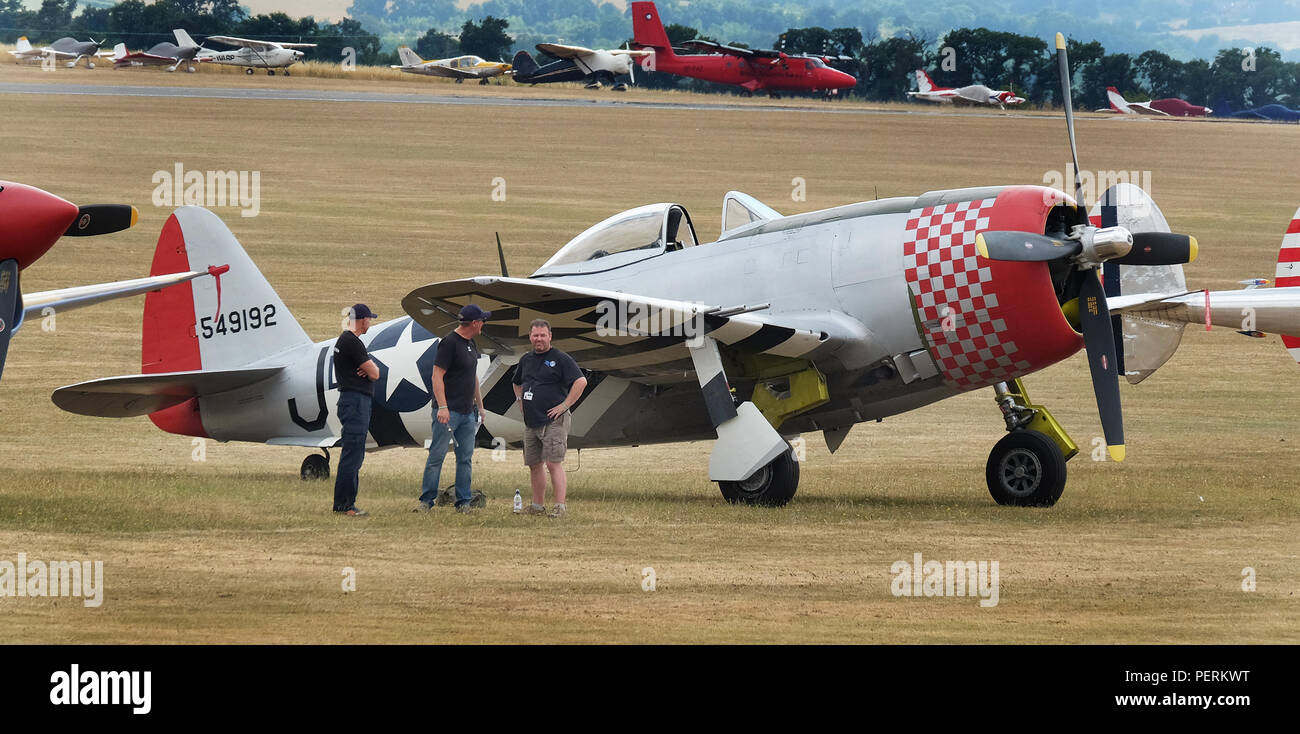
31,221
753,70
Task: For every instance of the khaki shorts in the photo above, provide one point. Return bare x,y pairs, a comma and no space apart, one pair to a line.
547,443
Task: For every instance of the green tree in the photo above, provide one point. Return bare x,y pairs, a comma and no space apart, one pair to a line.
435,44
487,39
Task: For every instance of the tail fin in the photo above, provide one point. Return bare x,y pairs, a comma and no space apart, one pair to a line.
1288,273
119,52
648,30
182,38
1117,101
183,330
524,65
24,45
408,57
923,81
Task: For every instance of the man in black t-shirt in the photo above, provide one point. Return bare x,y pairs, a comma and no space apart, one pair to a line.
458,408
355,372
549,383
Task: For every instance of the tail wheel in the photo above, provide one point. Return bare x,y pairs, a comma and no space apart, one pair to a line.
772,485
315,468
1026,469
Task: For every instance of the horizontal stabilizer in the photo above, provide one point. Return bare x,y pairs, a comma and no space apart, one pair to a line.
137,395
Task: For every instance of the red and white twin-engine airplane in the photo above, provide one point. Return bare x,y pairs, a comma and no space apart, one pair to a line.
752,69
785,325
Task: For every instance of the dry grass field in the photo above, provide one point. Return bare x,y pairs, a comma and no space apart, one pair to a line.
367,201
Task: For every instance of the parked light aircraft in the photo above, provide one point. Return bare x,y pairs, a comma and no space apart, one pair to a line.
1169,107
459,68
171,55
576,64
785,325
65,48
269,55
972,94
1274,112
754,70
31,221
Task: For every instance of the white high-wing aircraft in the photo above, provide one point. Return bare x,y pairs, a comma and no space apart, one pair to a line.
65,48
968,95
269,55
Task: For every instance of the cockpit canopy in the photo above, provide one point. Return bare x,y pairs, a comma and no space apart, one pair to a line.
624,238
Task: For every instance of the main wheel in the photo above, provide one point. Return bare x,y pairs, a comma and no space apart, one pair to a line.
1026,468
270,72
771,486
315,467
249,71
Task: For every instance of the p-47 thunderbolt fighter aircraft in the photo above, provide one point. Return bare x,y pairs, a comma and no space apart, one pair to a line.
784,325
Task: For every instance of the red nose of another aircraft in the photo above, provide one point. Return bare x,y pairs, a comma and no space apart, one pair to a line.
31,221
839,79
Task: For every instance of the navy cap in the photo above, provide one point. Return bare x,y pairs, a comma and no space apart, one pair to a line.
362,311
473,313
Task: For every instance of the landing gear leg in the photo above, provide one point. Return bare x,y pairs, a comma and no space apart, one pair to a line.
1027,467
316,467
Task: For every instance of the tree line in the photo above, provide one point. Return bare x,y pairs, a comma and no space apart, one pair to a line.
883,66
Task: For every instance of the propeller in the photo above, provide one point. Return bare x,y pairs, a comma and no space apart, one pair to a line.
94,219
1086,248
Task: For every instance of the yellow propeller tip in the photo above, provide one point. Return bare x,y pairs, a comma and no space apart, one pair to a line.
1192,249
1060,41
135,216
981,246
1116,452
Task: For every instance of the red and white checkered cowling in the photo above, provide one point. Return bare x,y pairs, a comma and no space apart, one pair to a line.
984,321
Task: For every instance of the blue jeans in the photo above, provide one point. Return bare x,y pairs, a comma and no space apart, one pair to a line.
462,426
354,414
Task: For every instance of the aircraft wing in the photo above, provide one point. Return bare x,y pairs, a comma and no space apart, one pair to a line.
1272,310
142,56
256,44
564,52
451,71
633,336
66,299
136,395
721,48
1145,108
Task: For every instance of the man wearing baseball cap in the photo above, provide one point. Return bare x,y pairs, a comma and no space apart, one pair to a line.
356,373
458,407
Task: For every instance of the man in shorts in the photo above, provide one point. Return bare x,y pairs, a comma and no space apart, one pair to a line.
549,383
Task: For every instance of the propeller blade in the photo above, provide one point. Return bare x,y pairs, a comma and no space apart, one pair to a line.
10,305
502,255
1099,340
1063,64
1160,248
96,219
631,69
1023,246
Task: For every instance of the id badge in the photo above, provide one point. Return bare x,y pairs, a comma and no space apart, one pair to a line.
528,395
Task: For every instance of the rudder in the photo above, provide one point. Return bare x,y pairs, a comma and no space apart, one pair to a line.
648,30
183,329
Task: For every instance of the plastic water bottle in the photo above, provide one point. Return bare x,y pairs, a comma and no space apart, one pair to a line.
519,503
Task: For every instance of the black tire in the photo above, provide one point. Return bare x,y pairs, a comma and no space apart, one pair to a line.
1026,469
270,72
249,71
315,468
772,486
